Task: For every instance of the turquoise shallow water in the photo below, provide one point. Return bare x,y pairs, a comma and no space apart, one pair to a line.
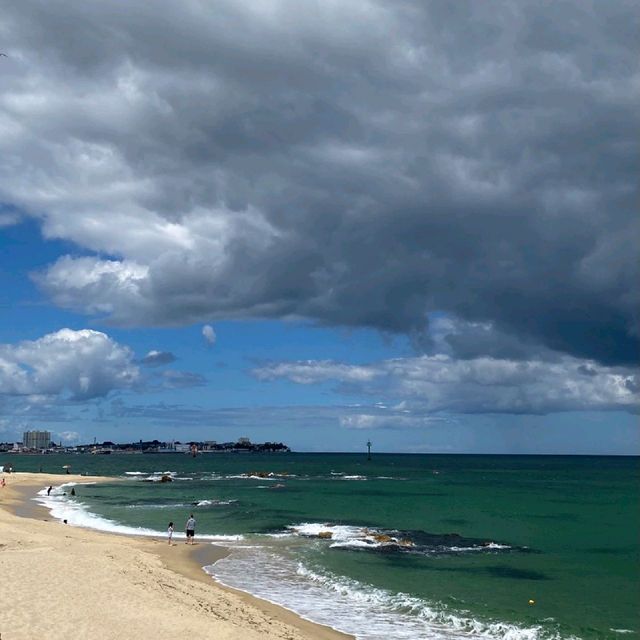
420,547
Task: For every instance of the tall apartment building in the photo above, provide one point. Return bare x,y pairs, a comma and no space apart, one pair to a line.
36,439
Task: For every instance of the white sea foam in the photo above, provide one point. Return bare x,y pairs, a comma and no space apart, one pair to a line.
359,538
270,476
243,476
77,514
348,536
353,607
213,503
156,476
490,545
161,477
338,532
135,473
354,544
177,505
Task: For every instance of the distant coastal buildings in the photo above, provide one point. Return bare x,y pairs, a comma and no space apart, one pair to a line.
37,440
40,442
211,446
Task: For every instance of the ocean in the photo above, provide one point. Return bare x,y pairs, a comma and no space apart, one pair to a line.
399,547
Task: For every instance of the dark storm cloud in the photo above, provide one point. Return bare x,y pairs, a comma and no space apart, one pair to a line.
355,163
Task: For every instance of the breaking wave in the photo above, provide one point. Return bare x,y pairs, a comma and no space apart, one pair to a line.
350,606
421,542
77,514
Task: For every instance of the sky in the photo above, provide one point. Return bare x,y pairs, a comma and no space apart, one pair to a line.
322,223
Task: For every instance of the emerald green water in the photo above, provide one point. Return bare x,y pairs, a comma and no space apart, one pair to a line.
565,531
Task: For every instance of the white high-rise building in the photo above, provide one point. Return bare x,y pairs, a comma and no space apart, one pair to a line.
36,439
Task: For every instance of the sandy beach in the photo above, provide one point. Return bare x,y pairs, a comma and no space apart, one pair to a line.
61,582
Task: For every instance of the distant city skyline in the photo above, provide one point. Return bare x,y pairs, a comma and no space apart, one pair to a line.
414,224
34,442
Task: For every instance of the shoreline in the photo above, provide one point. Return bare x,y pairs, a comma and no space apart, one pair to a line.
172,577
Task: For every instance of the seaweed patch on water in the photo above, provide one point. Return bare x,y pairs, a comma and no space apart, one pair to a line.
496,571
555,517
610,551
516,574
371,491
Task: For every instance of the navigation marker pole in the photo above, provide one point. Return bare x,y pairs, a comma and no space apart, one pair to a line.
368,449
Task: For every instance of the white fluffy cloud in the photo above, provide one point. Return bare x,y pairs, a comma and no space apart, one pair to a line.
80,365
69,436
209,334
479,385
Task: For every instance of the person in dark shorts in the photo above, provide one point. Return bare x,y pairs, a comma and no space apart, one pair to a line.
190,528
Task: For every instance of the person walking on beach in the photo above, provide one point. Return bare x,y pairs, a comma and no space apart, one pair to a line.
190,529
170,532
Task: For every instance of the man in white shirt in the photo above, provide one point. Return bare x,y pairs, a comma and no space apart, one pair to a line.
190,529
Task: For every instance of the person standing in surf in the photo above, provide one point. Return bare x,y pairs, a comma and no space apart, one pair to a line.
170,532
190,529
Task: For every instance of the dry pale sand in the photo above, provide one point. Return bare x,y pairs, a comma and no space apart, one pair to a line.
63,582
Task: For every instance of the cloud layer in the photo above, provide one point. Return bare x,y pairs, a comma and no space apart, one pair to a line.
426,384
209,334
357,163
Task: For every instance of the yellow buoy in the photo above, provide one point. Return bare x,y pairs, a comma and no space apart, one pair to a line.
532,601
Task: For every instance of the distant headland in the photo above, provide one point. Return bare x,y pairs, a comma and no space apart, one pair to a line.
43,445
